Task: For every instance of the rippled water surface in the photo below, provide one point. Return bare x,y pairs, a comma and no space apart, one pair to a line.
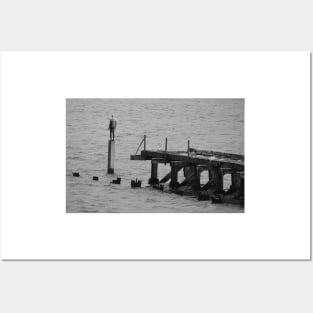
211,124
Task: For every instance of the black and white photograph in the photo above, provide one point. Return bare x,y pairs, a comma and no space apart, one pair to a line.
111,146
115,116
155,155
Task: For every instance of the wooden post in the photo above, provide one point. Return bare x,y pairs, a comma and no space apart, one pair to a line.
166,144
144,142
111,156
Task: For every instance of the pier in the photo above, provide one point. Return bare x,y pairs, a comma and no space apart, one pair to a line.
193,163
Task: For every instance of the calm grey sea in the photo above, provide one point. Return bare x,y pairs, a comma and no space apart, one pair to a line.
212,124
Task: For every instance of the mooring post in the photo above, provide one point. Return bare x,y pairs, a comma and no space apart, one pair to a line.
111,156
166,144
188,147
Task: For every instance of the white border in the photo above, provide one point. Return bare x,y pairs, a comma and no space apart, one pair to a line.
276,88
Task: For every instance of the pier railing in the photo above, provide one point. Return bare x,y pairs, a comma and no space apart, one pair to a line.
143,141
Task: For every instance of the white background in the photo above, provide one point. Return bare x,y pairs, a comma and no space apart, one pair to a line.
276,89
152,286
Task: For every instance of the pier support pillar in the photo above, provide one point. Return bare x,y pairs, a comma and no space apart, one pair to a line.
188,171
189,176
176,166
154,173
198,169
217,179
237,181
174,176
242,186
111,156
197,177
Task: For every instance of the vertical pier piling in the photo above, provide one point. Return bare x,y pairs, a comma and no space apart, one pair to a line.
154,173
217,178
111,156
176,166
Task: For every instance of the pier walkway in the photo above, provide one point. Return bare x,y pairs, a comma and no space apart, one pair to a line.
193,162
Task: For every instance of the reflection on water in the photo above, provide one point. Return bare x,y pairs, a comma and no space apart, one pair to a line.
210,124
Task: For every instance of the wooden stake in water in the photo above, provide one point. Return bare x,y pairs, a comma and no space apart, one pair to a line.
166,144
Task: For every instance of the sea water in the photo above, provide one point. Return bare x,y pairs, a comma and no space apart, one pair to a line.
209,124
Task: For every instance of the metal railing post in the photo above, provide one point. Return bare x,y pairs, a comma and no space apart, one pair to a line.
188,147
144,142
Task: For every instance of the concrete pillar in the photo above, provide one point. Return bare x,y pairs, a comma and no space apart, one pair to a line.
188,170
154,173
198,169
242,186
217,178
174,176
235,181
197,176
111,156
220,181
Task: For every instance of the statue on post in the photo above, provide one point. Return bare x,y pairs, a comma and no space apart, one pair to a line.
112,127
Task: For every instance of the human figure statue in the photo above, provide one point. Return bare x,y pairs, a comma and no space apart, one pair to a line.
112,127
